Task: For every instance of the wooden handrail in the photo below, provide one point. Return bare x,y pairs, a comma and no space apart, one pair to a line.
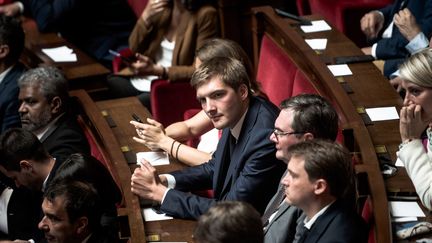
119,168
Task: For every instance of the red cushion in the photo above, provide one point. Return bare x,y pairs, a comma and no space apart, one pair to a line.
95,149
345,15
367,214
137,6
275,72
169,100
117,63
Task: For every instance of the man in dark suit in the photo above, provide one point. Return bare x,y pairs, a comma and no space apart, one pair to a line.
94,26
243,167
319,181
25,160
11,46
46,110
385,28
302,117
72,214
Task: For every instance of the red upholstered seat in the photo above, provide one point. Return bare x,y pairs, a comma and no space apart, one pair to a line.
137,6
367,214
276,71
95,149
169,100
345,15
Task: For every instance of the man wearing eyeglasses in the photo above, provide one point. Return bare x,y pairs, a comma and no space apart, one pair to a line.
302,117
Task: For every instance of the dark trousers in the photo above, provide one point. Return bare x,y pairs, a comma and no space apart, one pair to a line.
121,86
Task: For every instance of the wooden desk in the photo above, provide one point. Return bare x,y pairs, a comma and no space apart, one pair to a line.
120,111
86,73
290,39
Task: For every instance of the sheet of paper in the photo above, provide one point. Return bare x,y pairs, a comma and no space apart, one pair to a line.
60,54
317,44
404,219
405,209
150,214
143,83
317,25
382,113
154,158
340,70
399,163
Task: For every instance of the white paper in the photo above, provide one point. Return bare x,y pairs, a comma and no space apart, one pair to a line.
399,163
317,44
143,83
340,70
150,214
382,113
405,209
317,25
60,54
154,158
404,219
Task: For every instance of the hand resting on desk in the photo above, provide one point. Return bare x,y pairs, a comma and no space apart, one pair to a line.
147,184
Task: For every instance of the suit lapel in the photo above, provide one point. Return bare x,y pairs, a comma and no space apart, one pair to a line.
320,225
237,159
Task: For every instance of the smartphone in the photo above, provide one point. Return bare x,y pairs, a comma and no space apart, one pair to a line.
126,60
136,118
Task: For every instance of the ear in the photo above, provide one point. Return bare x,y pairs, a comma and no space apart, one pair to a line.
4,51
243,91
320,186
308,136
56,104
26,165
82,225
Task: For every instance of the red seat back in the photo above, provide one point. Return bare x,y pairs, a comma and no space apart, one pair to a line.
276,71
169,100
137,6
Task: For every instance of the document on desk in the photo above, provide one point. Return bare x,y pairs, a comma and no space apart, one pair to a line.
340,70
143,83
317,44
405,209
60,54
382,113
154,158
317,26
150,214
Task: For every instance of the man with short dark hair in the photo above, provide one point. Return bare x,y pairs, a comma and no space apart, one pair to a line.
46,111
302,117
72,213
11,46
319,179
243,167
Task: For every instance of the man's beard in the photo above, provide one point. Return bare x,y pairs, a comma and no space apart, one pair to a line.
39,122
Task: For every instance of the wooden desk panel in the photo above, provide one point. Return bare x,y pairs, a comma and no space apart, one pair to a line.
86,73
121,111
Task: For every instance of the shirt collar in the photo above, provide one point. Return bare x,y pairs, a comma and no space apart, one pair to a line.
4,73
235,131
309,223
47,127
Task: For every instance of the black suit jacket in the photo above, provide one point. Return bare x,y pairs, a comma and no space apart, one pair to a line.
392,50
9,116
253,174
65,138
337,224
93,25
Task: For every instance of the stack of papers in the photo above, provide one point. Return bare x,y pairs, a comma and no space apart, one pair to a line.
318,25
154,158
340,70
150,214
317,44
382,113
60,54
405,211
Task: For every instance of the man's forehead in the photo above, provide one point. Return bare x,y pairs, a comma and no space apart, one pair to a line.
284,120
208,87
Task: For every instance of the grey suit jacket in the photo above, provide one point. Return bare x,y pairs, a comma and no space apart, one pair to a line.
282,227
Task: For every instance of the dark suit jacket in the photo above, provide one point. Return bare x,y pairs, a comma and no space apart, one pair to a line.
94,26
65,138
337,224
282,227
253,174
393,49
9,105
